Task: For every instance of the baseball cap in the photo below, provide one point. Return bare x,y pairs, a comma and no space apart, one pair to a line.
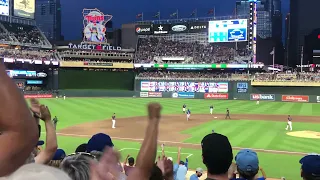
59,155
216,152
81,148
181,162
170,158
98,142
247,160
311,164
40,143
199,170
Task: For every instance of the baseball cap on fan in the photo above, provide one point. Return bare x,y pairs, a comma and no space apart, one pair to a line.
99,142
247,160
217,153
310,164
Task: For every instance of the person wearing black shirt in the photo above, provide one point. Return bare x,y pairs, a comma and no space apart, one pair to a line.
228,114
184,108
113,121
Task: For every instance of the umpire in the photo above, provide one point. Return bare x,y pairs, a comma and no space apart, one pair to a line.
228,114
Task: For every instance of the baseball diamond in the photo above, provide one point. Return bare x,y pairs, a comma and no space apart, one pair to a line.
260,127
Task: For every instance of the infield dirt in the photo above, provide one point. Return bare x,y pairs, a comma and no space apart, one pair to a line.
133,128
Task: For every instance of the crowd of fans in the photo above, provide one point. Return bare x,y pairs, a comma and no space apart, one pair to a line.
230,76
26,34
28,54
150,48
23,156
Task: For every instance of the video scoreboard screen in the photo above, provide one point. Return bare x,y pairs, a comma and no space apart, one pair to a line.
205,87
228,30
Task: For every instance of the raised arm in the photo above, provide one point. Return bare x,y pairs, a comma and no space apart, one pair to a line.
51,138
19,131
148,150
126,160
179,156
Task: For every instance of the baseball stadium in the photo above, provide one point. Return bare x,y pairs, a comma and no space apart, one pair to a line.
92,86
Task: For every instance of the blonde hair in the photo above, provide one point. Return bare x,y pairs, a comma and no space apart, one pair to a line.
55,163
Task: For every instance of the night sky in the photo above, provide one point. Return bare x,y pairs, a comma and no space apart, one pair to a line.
125,11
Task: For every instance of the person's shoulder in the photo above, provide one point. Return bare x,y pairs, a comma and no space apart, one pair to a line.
260,178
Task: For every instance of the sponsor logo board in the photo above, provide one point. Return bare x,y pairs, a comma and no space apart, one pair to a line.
144,94
216,96
143,29
295,98
27,96
175,95
264,97
185,95
155,94
198,27
242,87
161,28
179,28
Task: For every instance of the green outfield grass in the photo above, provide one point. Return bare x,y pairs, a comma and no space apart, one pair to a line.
242,133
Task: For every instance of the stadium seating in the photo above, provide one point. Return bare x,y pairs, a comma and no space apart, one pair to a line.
26,34
151,49
28,54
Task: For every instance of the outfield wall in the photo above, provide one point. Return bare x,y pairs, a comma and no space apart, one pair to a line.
236,90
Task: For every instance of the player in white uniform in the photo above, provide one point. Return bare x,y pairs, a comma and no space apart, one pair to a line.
211,109
289,124
114,121
258,102
64,97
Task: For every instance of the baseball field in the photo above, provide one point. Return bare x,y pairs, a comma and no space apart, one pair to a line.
260,127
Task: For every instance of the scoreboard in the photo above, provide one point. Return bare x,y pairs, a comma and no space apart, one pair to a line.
228,30
174,86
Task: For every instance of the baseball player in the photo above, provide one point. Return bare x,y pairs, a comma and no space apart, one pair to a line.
64,97
184,108
289,124
257,102
211,109
188,114
55,122
228,114
114,121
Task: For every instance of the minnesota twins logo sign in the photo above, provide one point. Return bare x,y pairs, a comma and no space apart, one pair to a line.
94,22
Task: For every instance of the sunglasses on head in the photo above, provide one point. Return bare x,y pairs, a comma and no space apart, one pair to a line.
83,154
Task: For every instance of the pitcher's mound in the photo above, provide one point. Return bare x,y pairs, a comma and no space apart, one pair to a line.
305,134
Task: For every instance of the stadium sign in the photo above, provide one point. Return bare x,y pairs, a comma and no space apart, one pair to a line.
265,97
94,47
184,95
295,98
198,27
161,28
94,22
179,28
216,96
143,29
242,87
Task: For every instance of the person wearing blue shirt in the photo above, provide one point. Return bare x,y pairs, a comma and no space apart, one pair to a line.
179,169
197,175
188,114
248,165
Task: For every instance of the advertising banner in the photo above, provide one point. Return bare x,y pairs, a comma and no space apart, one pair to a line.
143,29
38,96
216,96
155,94
179,28
95,65
179,86
161,28
144,94
196,27
24,8
242,87
295,98
263,97
183,95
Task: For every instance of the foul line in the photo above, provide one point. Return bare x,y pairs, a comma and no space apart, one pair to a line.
190,144
189,154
